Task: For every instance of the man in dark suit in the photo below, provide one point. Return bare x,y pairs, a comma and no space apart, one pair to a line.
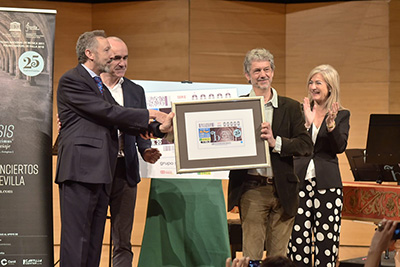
268,198
88,147
126,177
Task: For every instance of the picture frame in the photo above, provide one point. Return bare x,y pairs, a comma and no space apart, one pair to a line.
221,134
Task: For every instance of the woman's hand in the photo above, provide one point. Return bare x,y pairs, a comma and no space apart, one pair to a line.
330,119
308,114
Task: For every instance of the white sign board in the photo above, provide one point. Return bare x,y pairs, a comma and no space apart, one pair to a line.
160,95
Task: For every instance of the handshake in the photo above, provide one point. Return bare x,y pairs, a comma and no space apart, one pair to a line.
163,118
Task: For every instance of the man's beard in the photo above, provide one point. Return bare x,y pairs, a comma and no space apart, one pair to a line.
107,68
104,68
264,86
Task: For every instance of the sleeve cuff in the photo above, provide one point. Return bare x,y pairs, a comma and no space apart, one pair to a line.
154,128
278,145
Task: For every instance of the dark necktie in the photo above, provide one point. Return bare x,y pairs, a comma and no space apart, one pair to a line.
99,83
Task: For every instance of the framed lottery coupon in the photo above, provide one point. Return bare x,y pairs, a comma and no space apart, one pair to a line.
213,135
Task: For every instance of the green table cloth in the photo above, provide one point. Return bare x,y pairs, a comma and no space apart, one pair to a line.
186,224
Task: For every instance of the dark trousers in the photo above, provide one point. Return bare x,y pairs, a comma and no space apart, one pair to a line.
83,209
122,207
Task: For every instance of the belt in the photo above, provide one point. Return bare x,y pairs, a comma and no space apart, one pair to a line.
260,180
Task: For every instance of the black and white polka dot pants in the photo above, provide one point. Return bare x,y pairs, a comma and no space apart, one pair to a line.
317,221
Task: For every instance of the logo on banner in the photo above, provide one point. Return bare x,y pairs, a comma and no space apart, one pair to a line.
6,138
31,63
33,32
28,27
15,26
32,261
5,262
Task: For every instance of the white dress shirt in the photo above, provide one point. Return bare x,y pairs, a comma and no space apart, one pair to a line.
269,114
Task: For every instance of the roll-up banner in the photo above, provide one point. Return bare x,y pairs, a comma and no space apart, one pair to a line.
26,103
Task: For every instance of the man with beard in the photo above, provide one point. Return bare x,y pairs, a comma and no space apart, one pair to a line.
268,198
126,177
88,148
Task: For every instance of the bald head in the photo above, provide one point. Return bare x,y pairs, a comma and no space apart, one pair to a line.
115,39
119,64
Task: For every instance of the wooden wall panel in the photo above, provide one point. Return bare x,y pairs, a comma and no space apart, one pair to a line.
156,33
221,32
394,97
394,48
351,36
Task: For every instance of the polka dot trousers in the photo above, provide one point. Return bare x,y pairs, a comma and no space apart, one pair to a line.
317,223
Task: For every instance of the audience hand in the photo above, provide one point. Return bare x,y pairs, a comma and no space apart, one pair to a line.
235,209
380,242
267,134
151,155
243,262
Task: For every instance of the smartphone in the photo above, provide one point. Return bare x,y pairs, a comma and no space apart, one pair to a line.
396,234
253,263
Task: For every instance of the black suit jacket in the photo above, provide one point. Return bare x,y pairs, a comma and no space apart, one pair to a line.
133,97
88,142
288,123
326,148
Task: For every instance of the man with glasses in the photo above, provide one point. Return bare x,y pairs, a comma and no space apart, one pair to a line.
126,176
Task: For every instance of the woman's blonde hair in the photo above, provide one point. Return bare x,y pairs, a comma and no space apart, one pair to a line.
332,79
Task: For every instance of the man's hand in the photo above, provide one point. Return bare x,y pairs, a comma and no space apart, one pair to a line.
267,134
157,115
166,126
151,155
147,136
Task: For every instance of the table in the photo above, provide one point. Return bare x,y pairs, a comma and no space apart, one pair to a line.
370,201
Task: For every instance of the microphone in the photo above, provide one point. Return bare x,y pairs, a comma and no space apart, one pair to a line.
390,169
